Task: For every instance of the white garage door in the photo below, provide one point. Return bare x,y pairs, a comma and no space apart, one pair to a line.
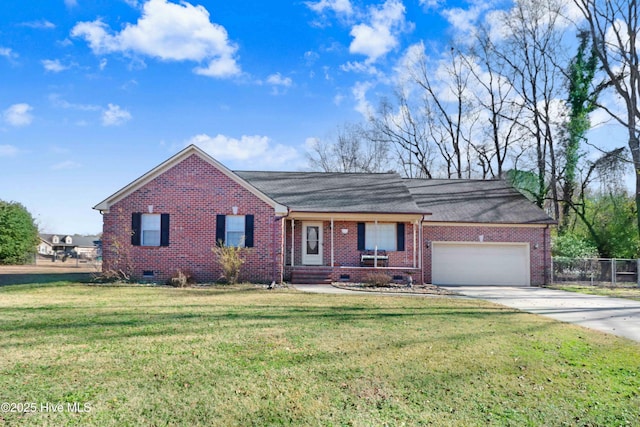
475,263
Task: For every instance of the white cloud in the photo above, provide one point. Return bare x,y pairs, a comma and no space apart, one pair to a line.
359,92
170,32
115,116
57,101
338,6
248,152
43,24
465,20
220,67
54,65
18,115
71,3
378,37
360,67
103,64
280,84
8,150
277,80
8,53
431,4
311,57
67,164
412,56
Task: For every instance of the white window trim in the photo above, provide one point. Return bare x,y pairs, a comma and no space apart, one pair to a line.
241,220
146,226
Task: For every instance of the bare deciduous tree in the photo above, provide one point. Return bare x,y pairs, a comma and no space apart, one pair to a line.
352,151
532,51
500,116
614,26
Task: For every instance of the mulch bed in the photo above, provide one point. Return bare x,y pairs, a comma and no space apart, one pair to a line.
395,288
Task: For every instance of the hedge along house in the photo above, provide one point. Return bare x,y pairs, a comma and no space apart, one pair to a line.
307,226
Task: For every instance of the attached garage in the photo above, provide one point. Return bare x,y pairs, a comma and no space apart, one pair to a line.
482,264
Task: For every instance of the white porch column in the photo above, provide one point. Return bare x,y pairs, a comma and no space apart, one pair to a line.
293,245
332,253
375,248
415,225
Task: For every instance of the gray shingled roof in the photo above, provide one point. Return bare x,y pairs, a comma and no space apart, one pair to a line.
76,239
476,201
335,192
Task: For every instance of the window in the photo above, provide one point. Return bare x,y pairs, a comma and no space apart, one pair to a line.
234,231
382,234
55,239
150,227
386,236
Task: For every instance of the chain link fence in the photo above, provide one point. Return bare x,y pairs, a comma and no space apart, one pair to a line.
596,271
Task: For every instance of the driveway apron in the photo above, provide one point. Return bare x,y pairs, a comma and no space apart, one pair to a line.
612,315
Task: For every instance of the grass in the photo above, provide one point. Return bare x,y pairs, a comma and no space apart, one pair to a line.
245,356
609,291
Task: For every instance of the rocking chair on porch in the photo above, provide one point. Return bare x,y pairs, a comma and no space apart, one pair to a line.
368,259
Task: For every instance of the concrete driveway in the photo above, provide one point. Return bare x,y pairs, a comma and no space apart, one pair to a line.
612,315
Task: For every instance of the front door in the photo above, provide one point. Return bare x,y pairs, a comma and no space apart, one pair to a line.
312,243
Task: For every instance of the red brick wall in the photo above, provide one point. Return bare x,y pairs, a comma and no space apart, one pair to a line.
346,251
540,257
193,192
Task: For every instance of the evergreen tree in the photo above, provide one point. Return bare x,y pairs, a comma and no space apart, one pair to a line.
18,233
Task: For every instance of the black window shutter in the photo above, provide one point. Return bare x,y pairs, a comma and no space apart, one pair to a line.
164,230
400,236
248,231
136,220
220,228
361,236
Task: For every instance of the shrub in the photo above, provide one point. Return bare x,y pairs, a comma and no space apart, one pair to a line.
377,279
572,247
118,262
230,260
181,278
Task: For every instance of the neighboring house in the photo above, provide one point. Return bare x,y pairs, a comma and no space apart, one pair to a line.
61,244
315,226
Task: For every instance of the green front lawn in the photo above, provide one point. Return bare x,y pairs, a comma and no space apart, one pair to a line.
246,356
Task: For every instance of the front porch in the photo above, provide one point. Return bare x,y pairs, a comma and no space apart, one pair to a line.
325,249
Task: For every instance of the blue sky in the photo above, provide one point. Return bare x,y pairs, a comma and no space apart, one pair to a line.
96,92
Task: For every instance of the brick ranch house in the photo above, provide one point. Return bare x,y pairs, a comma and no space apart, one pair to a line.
316,226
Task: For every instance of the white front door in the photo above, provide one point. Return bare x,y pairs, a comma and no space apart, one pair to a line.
312,243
